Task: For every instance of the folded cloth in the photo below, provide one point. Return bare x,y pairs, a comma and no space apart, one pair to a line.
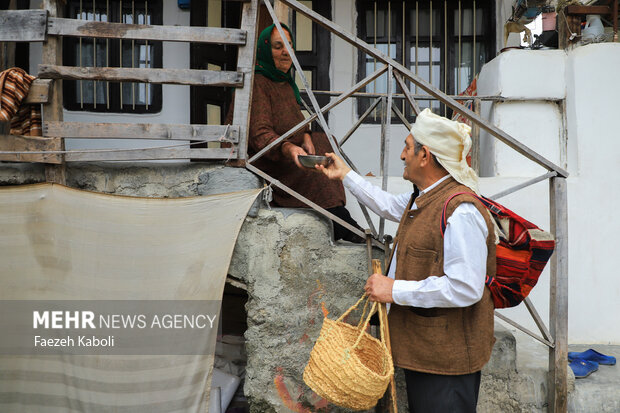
592,355
25,119
583,368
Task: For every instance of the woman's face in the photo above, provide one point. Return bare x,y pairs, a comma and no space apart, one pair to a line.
281,58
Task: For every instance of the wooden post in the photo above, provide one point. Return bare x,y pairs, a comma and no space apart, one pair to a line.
391,390
475,140
558,305
7,61
52,54
245,65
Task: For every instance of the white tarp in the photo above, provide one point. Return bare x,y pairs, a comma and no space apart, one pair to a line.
58,243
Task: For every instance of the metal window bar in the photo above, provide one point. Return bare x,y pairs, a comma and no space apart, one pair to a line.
147,63
94,58
80,57
558,201
107,55
133,56
120,49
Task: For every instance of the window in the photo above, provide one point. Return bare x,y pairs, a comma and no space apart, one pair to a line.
444,42
103,96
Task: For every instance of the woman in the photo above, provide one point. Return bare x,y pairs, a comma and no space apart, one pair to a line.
275,110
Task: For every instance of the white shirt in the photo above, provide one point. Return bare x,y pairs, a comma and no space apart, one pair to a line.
464,245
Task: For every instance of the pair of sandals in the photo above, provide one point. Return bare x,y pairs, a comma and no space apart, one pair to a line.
586,362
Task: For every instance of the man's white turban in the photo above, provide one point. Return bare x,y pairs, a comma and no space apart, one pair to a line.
450,142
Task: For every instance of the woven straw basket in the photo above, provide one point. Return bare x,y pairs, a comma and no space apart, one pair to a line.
347,366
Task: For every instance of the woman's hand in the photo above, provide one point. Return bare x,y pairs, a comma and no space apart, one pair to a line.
291,151
308,145
335,170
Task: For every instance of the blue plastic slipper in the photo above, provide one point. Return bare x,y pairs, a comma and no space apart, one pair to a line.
583,368
592,355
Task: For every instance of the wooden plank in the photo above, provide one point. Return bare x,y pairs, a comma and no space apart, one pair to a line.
245,65
385,333
427,87
386,132
408,96
525,330
475,140
522,185
105,30
359,121
558,303
123,74
52,55
151,154
583,10
17,143
537,319
84,130
39,91
400,116
371,226
22,25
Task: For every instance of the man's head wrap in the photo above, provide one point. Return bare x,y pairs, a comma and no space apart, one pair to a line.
450,142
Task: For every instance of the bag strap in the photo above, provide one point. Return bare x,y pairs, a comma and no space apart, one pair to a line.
492,206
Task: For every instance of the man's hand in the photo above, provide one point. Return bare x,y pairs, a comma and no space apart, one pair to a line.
379,288
308,146
336,170
291,151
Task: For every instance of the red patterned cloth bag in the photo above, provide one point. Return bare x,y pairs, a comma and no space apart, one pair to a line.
522,253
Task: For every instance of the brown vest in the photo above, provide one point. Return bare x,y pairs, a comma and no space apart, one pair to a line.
439,340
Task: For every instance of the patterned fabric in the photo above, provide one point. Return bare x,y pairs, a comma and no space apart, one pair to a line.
25,119
522,253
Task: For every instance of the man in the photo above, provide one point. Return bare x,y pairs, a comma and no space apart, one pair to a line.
441,316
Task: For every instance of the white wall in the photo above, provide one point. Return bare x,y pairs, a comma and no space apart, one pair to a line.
175,98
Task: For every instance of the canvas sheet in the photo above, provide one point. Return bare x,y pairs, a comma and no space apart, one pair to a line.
58,243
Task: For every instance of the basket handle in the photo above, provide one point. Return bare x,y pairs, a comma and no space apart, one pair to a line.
353,307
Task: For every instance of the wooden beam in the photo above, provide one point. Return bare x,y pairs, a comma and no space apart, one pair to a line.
475,139
359,121
558,303
22,25
410,99
52,55
84,130
18,143
522,185
105,30
583,10
123,74
426,86
245,65
400,116
39,91
151,154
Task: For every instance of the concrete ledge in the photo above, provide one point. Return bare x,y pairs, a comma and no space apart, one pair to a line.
530,74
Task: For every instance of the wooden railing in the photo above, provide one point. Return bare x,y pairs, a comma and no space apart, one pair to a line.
44,26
